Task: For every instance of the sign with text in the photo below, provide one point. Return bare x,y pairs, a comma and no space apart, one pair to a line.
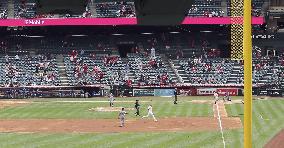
231,91
205,91
143,92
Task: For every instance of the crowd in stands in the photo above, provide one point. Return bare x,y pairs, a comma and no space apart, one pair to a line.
206,71
3,10
149,69
28,71
3,14
136,70
192,61
115,9
256,7
107,69
27,9
200,8
206,8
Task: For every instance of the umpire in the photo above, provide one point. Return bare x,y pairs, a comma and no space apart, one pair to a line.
175,93
137,107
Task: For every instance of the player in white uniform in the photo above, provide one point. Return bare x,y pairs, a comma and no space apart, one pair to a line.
111,99
121,116
150,113
216,97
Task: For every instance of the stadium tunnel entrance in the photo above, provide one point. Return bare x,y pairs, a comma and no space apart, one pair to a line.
125,47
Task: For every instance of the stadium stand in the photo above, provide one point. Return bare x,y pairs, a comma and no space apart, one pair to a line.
201,8
115,9
3,10
206,8
28,70
256,7
92,56
113,70
25,8
205,71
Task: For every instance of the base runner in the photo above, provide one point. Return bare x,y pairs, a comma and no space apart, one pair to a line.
150,113
121,116
216,97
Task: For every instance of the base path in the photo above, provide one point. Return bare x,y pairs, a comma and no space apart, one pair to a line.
277,141
9,103
222,109
111,125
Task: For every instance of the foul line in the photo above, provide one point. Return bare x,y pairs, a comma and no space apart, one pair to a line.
220,125
262,117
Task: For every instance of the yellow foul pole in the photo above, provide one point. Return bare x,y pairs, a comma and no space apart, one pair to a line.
247,53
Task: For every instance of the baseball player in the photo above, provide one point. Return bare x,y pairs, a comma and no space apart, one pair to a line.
227,96
111,100
216,97
121,116
175,93
137,107
150,113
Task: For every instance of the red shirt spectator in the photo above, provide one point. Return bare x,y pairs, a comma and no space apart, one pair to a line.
85,68
129,82
74,53
101,75
194,69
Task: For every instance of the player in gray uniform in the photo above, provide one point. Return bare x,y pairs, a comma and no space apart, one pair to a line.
111,100
121,116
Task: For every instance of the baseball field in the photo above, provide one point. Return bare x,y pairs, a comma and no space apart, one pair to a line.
79,123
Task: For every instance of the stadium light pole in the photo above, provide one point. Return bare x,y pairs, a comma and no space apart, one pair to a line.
247,53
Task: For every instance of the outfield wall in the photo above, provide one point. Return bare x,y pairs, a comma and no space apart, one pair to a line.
136,91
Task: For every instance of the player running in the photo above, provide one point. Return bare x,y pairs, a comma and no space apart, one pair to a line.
121,116
137,107
216,97
111,100
150,113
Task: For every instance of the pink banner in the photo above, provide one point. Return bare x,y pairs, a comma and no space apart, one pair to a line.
117,21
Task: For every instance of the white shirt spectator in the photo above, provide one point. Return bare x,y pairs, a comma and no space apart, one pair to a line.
153,52
17,57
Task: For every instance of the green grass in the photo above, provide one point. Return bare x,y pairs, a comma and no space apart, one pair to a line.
121,140
67,110
263,130
267,119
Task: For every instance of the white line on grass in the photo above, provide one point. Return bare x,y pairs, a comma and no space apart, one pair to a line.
96,101
220,125
262,117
